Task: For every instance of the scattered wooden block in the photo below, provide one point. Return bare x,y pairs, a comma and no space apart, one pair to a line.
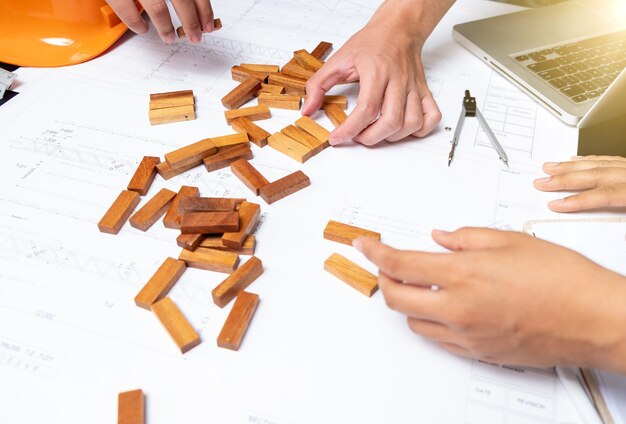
176,324
237,282
239,73
313,128
249,214
297,85
253,113
270,69
166,171
238,320
190,241
308,61
210,204
227,155
284,187
154,209
341,101
114,219
273,89
172,217
215,242
210,260
322,50
290,147
209,222
244,92
231,140
144,175
193,153
256,134
346,234
305,139
248,175
217,24
295,70
161,283
171,99
335,114
352,274
280,101
172,114
131,407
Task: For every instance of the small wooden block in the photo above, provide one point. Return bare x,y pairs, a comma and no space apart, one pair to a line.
209,222
273,89
176,324
346,234
114,219
171,99
284,187
305,139
210,204
217,24
144,175
248,175
239,73
290,147
237,282
172,217
190,241
249,214
161,283
253,113
308,61
131,407
280,101
270,69
214,242
296,84
210,260
341,101
244,92
256,134
154,209
238,321
295,70
166,171
193,153
352,274
322,50
335,114
172,114
227,155
313,128
231,140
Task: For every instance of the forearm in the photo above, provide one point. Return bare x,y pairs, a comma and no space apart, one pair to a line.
613,334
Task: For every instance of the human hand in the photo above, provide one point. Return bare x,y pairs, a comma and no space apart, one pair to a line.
196,17
602,180
507,298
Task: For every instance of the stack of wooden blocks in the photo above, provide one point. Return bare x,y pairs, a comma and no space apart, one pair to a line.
174,106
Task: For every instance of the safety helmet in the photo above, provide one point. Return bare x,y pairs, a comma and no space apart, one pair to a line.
56,32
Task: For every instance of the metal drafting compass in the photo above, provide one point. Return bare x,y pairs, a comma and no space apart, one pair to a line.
469,108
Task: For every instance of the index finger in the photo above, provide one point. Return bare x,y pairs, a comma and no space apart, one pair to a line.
410,300
129,14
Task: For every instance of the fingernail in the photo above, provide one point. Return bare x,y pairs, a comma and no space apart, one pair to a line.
334,141
551,164
558,202
440,232
358,245
543,180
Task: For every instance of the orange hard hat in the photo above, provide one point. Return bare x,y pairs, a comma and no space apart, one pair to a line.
56,32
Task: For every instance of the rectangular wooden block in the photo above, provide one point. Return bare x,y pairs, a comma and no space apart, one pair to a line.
190,241
253,113
239,73
192,153
210,204
215,242
248,175
209,222
274,89
244,92
166,171
144,175
154,209
227,155
172,114
305,139
280,101
335,114
313,128
172,217
341,101
171,99
237,282
290,147
160,284
256,134
238,320
131,407
217,24
175,323
322,50
282,188
231,140
296,84
352,274
295,70
249,214
261,68
123,206
210,260
346,234
308,61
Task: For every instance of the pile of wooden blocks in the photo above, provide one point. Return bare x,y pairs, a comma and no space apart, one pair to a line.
173,106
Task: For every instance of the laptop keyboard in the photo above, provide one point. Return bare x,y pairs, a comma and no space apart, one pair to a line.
581,71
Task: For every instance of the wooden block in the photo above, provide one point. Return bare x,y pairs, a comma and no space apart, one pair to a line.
270,69
172,217
249,214
341,101
237,282
295,70
296,84
131,407
190,241
313,128
210,204
290,147
114,219
231,140
248,175
210,260
335,114
144,175
244,92
217,24
193,153
215,242
346,234
226,156
166,171
322,50
238,320
305,139
284,187
280,101
161,283
256,134
253,113
269,88
352,274
209,222
308,61
176,324
154,209
239,73
172,114
171,99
